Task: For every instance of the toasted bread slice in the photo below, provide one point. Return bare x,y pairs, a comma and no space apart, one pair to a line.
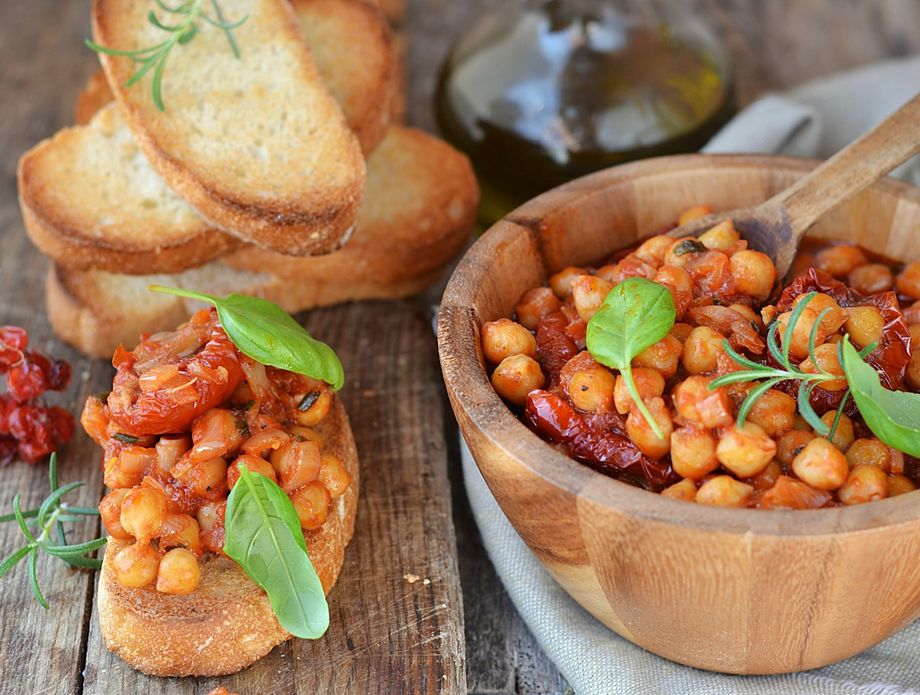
227,623
257,145
353,49
420,208
90,199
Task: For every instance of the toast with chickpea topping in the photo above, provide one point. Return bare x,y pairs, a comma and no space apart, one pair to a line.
187,414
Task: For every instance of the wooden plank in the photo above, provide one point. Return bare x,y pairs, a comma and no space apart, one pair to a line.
389,634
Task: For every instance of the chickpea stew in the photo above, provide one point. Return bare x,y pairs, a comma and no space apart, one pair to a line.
743,400
187,409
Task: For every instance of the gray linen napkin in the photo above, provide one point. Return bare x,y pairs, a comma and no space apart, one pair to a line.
814,120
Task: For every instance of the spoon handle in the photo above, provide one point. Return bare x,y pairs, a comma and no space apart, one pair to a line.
852,169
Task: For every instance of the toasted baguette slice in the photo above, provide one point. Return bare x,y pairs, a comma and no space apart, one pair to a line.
90,199
353,49
227,623
257,145
420,208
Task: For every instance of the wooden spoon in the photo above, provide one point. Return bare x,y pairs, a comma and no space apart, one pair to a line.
776,227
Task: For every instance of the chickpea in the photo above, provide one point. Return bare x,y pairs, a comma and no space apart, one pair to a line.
821,465
745,450
693,452
748,313
685,490
311,502
828,358
254,464
110,513
592,389
774,411
694,213
864,325
869,452
680,251
722,237
653,249
180,531
317,410
908,280
724,491
517,376
296,464
117,474
334,476
871,279
503,338
864,484
561,283
641,433
211,515
207,479
663,356
790,444
142,512
696,404
629,267
588,293
679,284
900,485
844,434
835,317
754,273
701,350
136,565
535,305
179,572
801,332
840,260
789,493
649,383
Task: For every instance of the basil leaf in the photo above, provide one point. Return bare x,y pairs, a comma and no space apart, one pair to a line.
893,416
263,536
268,334
636,314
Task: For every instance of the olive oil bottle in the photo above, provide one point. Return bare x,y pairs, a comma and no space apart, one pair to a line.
539,92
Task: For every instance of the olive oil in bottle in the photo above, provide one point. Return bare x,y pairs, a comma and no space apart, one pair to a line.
540,92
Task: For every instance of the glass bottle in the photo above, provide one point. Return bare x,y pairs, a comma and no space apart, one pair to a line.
539,92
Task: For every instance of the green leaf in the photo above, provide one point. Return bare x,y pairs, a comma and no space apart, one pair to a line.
806,411
13,559
790,327
33,581
268,334
893,416
263,536
753,397
635,315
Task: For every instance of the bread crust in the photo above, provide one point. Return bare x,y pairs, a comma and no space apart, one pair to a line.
313,214
227,623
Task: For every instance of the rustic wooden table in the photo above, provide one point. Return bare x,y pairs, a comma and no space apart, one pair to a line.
454,630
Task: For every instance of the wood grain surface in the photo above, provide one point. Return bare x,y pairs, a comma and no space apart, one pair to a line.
42,67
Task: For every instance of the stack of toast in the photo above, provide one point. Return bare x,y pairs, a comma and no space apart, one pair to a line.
283,173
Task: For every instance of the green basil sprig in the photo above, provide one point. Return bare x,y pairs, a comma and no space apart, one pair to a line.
893,416
268,334
635,315
263,536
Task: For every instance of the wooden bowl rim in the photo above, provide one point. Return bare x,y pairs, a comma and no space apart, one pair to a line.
471,391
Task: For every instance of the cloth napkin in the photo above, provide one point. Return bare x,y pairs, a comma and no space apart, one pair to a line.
813,120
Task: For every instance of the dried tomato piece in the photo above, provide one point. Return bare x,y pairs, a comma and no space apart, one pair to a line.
599,442
554,346
40,430
206,376
8,449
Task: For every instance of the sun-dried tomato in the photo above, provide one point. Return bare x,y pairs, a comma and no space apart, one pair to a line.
598,440
554,346
40,430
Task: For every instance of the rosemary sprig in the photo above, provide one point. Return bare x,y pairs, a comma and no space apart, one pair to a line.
188,13
39,525
768,376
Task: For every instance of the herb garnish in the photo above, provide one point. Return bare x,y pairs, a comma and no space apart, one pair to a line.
635,315
893,416
787,371
266,333
188,14
39,525
264,537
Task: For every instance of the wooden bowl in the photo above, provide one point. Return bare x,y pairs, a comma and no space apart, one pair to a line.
733,590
